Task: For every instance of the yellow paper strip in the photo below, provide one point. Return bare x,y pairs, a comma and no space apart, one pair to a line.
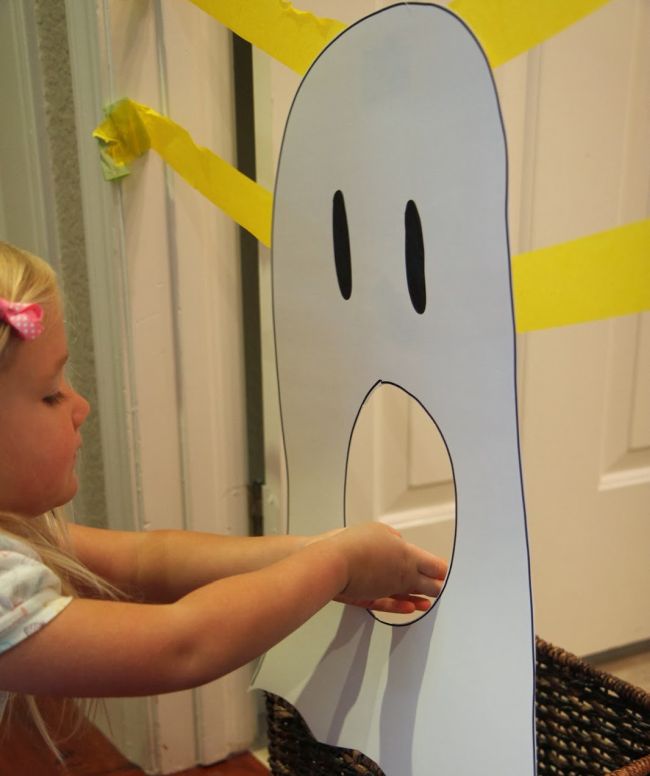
130,129
293,37
506,28
599,276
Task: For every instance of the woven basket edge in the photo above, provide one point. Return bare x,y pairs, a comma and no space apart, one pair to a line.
619,686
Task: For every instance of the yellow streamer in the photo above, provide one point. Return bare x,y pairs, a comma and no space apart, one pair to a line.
507,28
293,37
599,276
130,129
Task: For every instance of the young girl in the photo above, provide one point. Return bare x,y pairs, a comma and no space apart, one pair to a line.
86,612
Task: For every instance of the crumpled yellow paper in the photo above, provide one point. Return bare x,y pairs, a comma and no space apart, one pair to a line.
505,28
289,35
131,129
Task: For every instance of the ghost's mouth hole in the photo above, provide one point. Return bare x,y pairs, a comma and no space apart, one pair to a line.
399,472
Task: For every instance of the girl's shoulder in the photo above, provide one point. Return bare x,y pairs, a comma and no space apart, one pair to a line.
12,545
30,592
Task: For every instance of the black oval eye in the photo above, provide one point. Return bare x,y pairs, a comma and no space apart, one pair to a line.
341,236
414,252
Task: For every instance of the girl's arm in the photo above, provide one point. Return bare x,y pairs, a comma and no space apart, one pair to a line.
163,566
100,648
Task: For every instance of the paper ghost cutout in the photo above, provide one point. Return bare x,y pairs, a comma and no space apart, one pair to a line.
403,277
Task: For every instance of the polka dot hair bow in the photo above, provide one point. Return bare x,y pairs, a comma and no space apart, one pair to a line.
24,318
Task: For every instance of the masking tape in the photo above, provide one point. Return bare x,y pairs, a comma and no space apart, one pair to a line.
599,276
130,129
293,37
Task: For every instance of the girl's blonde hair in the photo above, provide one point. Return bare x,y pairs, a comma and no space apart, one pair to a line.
26,278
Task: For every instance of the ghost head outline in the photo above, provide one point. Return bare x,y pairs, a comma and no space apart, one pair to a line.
400,115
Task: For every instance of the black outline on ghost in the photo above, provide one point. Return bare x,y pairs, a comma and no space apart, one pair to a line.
286,464
377,385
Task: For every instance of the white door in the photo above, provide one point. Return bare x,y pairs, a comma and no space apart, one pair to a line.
577,117
585,415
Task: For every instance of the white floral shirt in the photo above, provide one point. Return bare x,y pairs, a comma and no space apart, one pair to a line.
30,596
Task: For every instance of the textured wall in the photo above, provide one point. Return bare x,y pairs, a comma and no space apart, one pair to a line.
61,153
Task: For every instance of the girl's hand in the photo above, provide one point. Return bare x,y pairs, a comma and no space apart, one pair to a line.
397,604
385,573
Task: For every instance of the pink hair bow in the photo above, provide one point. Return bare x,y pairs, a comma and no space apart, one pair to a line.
24,318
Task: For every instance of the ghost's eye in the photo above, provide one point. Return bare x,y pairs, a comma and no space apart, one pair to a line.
341,245
414,252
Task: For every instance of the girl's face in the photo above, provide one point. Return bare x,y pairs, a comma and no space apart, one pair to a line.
40,418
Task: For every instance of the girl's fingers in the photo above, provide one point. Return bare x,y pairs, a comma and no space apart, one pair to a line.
401,604
392,606
428,587
397,604
417,599
433,567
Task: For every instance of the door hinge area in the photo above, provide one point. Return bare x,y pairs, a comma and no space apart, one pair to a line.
255,509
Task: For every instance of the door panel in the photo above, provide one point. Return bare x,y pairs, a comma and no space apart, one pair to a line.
584,420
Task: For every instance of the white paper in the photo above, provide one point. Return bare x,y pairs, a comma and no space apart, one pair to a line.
402,107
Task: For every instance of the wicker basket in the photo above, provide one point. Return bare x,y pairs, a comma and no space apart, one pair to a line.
588,723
